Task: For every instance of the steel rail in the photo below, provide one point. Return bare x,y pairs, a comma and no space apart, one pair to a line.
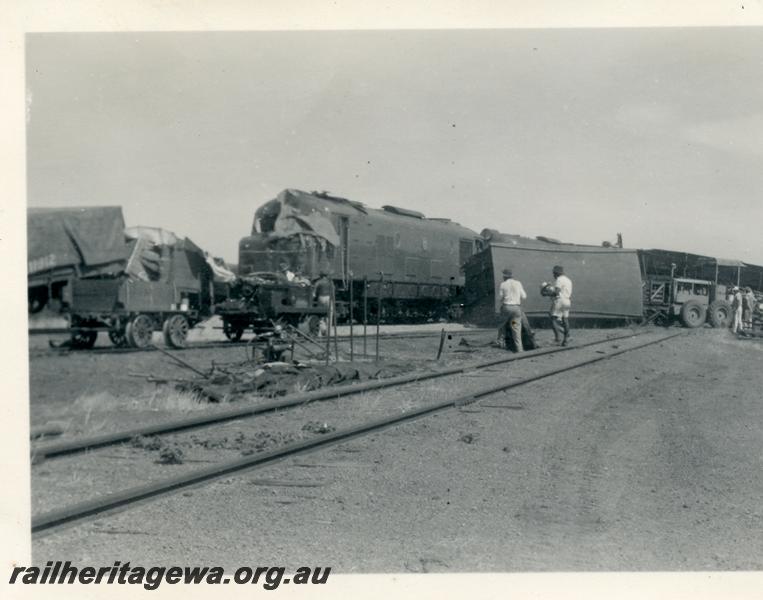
64,447
213,344
120,499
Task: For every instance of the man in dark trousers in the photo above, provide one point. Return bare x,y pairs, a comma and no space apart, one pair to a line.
516,330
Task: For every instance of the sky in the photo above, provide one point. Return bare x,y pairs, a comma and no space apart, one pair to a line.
575,134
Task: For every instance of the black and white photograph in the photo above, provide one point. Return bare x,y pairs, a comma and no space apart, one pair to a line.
312,302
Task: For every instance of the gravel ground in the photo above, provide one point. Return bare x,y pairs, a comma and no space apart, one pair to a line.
647,461
69,479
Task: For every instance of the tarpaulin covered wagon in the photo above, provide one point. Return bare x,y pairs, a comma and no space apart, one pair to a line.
153,280
70,243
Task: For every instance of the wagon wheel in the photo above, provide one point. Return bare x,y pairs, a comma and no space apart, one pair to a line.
175,331
83,340
233,331
118,338
139,331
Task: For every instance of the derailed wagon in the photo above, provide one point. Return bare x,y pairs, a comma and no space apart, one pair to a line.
607,280
64,244
167,285
126,282
259,301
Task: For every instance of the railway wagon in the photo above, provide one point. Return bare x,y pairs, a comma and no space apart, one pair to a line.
64,244
167,285
260,301
412,263
606,280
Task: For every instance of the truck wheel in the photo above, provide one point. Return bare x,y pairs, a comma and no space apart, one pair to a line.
719,314
175,331
84,340
139,331
693,314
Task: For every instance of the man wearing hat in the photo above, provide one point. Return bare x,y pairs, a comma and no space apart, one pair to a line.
287,272
511,295
560,305
736,310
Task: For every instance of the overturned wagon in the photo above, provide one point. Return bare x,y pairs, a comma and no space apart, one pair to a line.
606,280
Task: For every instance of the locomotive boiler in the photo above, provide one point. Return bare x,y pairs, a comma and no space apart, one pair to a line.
398,259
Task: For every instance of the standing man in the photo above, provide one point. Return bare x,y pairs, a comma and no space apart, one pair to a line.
560,305
322,297
748,307
511,295
736,309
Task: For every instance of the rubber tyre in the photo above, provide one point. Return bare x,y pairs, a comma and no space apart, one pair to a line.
139,331
719,314
84,340
693,314
175,331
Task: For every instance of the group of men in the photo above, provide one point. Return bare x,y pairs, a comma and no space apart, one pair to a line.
515,332
742,308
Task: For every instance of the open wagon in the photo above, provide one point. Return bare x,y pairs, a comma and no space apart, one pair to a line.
167,285
259,301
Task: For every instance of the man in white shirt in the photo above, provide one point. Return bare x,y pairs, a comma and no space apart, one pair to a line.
560,305
511,294
287,272
736,310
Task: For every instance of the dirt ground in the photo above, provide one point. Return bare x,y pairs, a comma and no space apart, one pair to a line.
646,461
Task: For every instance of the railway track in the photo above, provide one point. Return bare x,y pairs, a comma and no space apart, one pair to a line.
122,499
211,345
62,448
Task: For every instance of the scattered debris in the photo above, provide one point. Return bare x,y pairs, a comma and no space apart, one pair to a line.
146,442
231,381
318,427
170,455
261,441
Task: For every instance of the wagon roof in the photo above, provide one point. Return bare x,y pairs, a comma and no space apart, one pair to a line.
508,240
66,237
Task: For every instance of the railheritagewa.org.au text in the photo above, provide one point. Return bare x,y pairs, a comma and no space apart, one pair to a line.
151,577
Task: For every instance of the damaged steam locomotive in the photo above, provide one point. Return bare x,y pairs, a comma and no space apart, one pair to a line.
393,258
